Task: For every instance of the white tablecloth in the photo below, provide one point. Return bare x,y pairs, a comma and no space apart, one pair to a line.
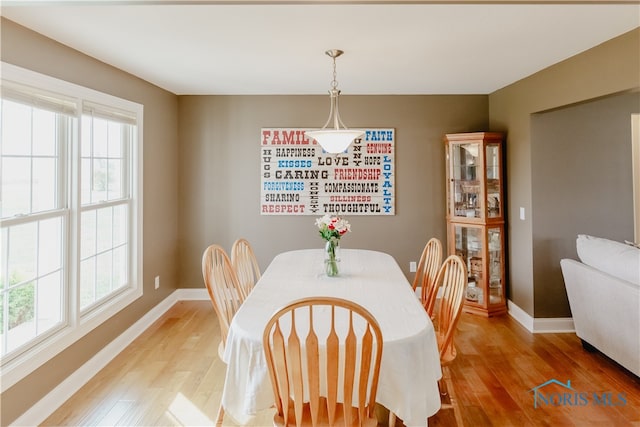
410,365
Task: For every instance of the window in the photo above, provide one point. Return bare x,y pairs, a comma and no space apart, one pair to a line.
105,206
71,215
34,221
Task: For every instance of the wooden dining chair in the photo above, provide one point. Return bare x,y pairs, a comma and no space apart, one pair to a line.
452,278
315,363
424,284
225,293
245,264
424,280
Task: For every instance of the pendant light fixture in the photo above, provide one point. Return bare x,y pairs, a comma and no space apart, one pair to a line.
334,139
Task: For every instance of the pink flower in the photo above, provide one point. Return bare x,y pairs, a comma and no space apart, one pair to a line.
332,226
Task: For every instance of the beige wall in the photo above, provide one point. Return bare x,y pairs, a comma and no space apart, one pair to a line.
27,49
582,183
220,172
606,69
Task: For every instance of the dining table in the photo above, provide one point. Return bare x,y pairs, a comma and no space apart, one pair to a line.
410,366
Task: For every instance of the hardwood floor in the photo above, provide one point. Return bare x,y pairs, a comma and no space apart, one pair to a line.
499,363
171,375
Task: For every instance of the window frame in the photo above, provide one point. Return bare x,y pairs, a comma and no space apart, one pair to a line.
76,323
635,156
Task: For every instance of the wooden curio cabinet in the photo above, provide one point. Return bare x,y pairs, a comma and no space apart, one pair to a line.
475,217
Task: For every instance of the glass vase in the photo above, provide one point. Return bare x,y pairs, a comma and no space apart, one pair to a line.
331,257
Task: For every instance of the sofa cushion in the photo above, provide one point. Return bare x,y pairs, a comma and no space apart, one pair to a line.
614,258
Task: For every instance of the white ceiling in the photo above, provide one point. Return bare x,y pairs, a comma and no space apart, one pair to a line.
218,48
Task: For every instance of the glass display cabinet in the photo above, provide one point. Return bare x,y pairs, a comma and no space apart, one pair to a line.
475,217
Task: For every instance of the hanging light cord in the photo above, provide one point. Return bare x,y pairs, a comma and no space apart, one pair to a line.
334,82
334,92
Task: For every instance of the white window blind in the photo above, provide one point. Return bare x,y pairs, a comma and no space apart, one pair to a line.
109,113
39,98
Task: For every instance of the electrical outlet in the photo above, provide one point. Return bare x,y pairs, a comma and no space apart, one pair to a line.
157,282
412,267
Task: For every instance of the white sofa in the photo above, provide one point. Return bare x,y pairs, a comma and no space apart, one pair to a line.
604,296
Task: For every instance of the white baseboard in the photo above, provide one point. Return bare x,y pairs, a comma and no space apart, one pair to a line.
520,315
56,397
554,325
190,294
540,325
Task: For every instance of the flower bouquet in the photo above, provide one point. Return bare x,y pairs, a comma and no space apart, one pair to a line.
331,229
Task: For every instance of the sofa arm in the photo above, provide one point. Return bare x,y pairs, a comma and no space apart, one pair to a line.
606,312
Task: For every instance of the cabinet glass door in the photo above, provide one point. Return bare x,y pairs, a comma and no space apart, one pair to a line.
494,239
466,185
469,248
492,164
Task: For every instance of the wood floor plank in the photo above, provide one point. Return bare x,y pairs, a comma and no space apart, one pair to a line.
172,375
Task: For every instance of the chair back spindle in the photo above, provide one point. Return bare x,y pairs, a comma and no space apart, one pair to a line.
245,264
428,267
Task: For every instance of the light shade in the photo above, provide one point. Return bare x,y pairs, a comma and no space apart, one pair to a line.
335,140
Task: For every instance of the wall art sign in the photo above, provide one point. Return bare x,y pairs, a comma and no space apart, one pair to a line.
299,178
